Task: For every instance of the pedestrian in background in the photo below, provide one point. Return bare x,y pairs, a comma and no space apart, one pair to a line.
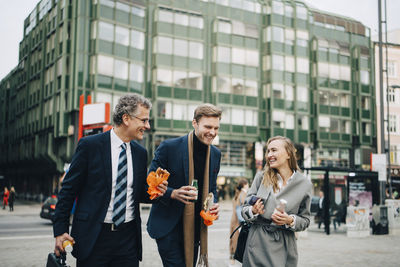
108,177
281,209
11,198
321,209
175,221
237,202
6,194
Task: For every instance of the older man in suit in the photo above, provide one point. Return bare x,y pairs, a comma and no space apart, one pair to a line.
107,175
174,220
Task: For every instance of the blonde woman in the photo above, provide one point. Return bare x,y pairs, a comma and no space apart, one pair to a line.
282,207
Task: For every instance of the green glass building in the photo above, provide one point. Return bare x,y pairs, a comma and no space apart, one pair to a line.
274,67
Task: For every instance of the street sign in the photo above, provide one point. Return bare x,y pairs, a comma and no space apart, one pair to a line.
379,164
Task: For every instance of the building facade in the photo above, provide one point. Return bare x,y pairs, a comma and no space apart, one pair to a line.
274,67
391,85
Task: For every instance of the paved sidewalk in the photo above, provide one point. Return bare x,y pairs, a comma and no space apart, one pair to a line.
22,207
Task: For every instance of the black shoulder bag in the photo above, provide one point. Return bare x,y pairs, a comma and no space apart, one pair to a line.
242,239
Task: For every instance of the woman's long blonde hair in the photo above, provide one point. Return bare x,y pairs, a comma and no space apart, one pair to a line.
270,174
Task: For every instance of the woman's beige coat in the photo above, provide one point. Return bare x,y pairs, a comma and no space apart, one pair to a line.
268,244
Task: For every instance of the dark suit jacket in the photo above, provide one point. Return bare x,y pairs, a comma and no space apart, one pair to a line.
172,155
89,179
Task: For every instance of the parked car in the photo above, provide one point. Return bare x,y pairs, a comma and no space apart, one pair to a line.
48,208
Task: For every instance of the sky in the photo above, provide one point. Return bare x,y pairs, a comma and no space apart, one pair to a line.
14,12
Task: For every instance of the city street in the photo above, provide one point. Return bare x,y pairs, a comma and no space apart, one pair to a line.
26,239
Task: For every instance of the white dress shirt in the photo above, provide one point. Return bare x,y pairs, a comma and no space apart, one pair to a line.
116,148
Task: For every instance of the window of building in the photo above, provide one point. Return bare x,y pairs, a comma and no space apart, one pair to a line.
122,35
303,122
345,73
392,95
366,128
324,123
334,99
323,69
181,19
237,116
277,8
165,16
301,12
106,31
365,102
137,39
180,47
278,62
392,69
303,65
392,123
224,27
105,65
323,98
164,76
289,64
302,94
364,77
120,69
278,119
345,127
136,73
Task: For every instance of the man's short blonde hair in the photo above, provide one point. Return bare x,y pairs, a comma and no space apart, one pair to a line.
206,110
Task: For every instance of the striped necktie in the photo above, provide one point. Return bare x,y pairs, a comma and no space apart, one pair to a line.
118,216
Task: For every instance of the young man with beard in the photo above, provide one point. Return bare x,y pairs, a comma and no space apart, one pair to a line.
174,220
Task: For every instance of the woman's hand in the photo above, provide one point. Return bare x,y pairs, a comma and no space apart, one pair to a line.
258,207
281,218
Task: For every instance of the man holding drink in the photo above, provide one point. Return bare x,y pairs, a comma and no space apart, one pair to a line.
175,220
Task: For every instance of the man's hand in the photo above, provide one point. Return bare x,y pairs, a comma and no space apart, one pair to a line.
163,188
281,218
215,209
59,241
258,207
185,194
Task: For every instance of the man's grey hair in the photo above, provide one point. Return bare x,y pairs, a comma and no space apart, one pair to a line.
128,104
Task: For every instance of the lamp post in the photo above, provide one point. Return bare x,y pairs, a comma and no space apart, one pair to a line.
388,133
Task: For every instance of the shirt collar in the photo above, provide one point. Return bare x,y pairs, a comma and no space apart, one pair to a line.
116,142
280,180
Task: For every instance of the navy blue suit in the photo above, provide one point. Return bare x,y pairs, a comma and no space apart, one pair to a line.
89,178
172,155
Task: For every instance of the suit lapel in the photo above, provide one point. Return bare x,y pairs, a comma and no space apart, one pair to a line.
135,164
106,156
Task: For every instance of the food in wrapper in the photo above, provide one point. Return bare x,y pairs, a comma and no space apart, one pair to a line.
154,179
208,218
